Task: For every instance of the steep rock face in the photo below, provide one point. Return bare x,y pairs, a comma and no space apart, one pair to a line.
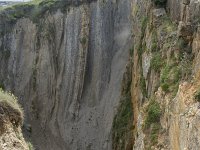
67,70
165,75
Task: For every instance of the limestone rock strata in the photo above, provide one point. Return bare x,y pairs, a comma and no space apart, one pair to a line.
67,70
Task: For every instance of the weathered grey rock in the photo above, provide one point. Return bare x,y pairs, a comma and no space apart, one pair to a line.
159,12
174,8
146,62
67,71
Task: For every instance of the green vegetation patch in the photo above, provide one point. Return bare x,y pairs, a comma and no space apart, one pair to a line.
154,46
122,128
142,45
34,10
152,123
155,128
153,113
156,62
123,125
170,77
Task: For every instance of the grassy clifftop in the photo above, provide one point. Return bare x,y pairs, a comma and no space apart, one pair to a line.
34,10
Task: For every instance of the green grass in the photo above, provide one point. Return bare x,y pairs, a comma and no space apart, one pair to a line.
156,62
154,46
170,77
154,133
144,25
152,124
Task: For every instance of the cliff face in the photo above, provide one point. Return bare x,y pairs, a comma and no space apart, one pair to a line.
67,68
165,75
105,74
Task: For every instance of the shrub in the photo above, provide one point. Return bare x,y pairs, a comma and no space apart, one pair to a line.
153,113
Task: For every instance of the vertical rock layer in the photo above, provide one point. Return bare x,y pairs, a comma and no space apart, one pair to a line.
67,70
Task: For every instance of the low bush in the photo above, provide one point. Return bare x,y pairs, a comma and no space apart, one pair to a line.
153,113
